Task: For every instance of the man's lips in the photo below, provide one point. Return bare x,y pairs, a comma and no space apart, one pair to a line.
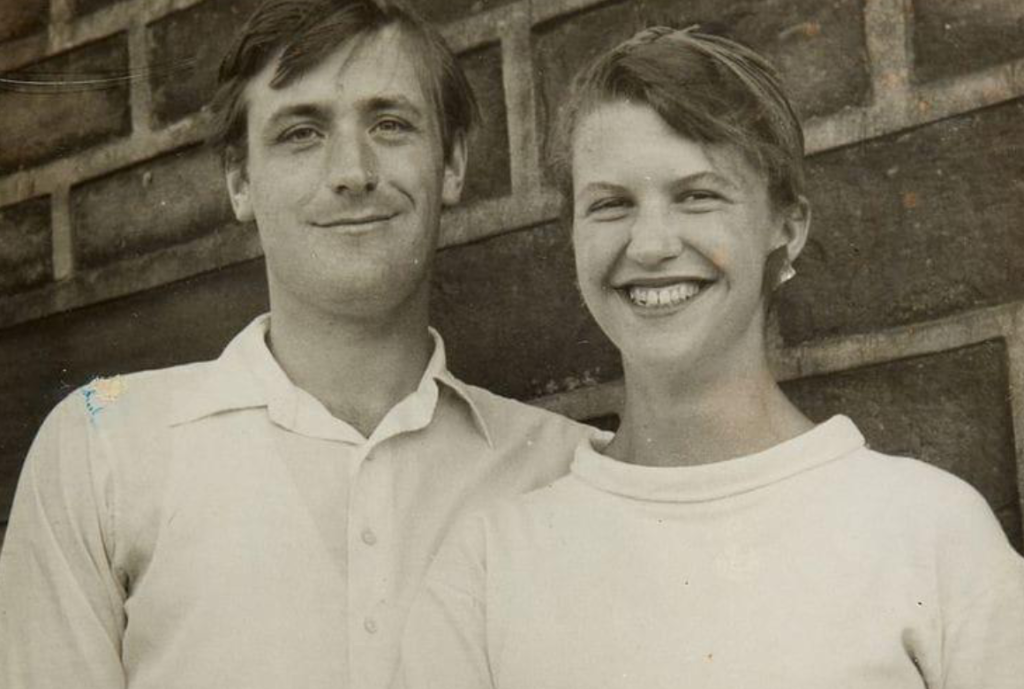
354,221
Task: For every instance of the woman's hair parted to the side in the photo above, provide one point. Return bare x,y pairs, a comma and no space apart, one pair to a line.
306,32
710,89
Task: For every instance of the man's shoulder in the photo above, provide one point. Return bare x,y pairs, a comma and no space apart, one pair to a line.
149,397
506,416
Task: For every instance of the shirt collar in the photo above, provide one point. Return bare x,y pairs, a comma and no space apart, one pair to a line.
246,376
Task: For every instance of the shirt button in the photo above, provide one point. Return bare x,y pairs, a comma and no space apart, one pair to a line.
370,625
369,538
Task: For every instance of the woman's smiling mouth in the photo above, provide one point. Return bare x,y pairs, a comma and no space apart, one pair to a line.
666,296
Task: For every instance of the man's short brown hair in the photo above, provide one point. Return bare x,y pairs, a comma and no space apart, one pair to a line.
303,33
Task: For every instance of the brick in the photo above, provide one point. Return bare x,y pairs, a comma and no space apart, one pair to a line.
443,11
512,318
26,258
22,18
168,200
185,50
911,227
819,47
84,7
191,320
948,409
952,37
562,46
38,124
801,37
488,174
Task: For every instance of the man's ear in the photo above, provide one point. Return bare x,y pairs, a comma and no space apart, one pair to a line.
796,222
239,190
454,172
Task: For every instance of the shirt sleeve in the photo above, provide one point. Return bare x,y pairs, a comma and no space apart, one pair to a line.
982,582
61,606
445,640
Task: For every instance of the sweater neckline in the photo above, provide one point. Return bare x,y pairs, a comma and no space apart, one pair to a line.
824,443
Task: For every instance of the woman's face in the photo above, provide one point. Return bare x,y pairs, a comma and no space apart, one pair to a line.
671,239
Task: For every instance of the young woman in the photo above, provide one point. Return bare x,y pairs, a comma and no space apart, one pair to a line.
720,539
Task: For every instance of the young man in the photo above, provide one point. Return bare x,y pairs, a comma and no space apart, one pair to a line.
263,520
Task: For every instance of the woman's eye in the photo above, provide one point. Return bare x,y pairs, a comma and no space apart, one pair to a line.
701,196
608,206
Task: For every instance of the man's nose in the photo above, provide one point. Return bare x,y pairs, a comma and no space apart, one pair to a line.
653,239
351,165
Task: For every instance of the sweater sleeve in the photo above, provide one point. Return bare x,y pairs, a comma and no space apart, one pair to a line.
61,606
445,641
982,583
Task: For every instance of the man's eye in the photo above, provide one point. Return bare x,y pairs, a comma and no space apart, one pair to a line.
300,135
391,126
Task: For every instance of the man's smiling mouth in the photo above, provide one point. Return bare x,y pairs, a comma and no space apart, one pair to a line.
355,222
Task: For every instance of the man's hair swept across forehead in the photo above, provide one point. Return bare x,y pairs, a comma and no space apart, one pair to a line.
301,34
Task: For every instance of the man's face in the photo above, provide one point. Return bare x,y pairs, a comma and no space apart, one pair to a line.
345,178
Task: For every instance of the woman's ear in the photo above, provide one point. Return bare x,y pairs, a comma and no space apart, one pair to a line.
796,222
454,172
239,190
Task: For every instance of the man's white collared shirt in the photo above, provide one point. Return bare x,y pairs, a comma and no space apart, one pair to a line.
212,525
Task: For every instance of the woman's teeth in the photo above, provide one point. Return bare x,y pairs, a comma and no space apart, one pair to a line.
670,295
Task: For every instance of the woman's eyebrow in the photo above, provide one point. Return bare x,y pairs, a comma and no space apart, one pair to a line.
706,177
598,188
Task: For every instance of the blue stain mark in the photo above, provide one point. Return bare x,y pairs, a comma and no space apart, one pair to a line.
100,394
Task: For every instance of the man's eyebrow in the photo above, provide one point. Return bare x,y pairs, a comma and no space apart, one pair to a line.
298,111
392,102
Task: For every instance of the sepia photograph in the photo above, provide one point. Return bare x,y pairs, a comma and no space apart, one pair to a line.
511,344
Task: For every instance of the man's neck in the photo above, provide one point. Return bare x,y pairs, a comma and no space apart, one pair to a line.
358,368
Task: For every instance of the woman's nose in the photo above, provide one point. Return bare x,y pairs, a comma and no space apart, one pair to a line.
653,240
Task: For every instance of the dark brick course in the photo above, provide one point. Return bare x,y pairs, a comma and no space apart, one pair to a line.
26,246
441,11
948,409
513,319
817,46
84,7
20,18
488,174
912,226
953,37
168,200
185,50
40,123
44,360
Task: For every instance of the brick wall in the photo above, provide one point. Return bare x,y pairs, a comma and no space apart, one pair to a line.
118,250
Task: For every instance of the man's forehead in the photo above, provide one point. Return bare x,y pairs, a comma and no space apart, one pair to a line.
369,65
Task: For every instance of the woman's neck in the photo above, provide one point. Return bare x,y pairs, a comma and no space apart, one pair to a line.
686,420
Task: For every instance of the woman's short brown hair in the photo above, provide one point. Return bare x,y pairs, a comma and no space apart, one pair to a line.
707,88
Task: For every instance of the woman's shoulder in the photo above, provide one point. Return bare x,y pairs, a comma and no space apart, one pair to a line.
920,496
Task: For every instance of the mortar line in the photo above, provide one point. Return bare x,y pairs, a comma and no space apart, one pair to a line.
140,88
62,234
1015,365
520,102
843,354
